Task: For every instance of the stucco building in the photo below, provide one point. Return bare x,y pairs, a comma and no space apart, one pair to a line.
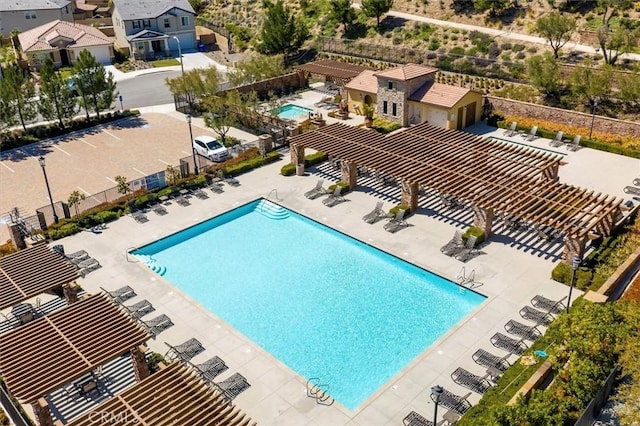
24,15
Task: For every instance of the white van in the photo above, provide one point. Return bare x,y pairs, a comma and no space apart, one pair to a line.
209,147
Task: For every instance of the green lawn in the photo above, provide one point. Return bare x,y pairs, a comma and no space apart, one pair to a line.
165,63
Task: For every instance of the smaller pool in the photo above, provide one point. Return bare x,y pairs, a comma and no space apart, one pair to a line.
291,112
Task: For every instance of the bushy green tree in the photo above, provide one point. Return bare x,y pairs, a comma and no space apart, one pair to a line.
96,87
342,12
56,98
588,83
255,69
282,31
18,95
493,6
195,85
556,28
543,73
221,113
623,39
629,88
376,8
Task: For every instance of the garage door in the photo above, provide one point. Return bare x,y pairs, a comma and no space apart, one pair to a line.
437,117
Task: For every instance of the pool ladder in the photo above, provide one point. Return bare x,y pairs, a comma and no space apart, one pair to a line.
318,392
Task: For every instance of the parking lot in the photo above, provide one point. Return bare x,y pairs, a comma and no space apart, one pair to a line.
89,161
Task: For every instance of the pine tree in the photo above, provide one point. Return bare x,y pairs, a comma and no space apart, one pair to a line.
18,89
376,8
282,31
96,88
56,98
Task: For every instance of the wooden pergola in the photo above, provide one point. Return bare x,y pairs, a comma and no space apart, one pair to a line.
494,177
32,271
175,395
58,348
337,72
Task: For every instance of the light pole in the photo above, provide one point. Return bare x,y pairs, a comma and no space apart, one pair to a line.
436,391
575,263
180,54
46,181
193,150
593,114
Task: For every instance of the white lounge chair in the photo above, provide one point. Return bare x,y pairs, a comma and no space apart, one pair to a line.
532,134
317,191
376,214
334,198
557,141
396,223
575,144
512,129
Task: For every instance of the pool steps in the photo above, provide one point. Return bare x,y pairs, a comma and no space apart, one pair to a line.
271,210
152,264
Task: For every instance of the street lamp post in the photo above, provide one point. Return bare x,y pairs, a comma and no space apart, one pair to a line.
180,54
46,181
575,263
593,115
436,392
193,149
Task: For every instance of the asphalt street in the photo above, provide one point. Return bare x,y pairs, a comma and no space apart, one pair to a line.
146,90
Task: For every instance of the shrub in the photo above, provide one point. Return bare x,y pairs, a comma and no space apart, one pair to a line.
64,231
517,47
315,158
144,200
154,359
199,182
288,170
343,185
167,191
252,163
474,231
394,210
106,216
7,248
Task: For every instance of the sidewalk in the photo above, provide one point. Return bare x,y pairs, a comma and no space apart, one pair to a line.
190,61
570,46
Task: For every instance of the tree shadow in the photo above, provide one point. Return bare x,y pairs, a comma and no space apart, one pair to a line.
356,30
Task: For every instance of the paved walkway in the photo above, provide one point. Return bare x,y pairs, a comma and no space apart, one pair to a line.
499,33
190,61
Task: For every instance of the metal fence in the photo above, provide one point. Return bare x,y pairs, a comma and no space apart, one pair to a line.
592,411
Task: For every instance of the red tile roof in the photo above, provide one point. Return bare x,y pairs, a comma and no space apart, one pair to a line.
37,39
439,94
366,81
407,72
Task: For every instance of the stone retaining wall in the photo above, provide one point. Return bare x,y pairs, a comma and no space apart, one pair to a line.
575,118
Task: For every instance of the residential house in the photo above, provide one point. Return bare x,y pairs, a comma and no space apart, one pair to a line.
24,15
62,42
149,28
409,95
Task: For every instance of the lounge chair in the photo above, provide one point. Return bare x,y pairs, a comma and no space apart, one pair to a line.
140,309
200,194
216,187
376,214
183,201
539,317
459,404
471,381
335,198
468,251
631,190
575,144
636,181
453,245
532,134
522,330
317,191
233,386
88,265
415,419
121,294
510,345
487,359
397,222
139,217
157,325
211,369
80,254
80,258
184,351
557,141
511,130
159,209
552,306
231,181
451,202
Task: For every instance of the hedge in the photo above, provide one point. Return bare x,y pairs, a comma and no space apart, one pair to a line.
343,185
474,231
288,170
316,158
394,210
252,163
64,231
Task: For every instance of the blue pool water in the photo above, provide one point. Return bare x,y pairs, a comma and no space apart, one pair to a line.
291,112
325,304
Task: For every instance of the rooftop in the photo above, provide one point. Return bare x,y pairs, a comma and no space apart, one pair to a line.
407,72
75,35
17,5
147,9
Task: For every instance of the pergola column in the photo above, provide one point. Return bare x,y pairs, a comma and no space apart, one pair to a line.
70,294
42,412
551,172
409,195
140,366
573,247
349,171
483,219
297,154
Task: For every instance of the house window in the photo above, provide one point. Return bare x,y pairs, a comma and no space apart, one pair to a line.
146,23
30,14
184,21
384,107
166,23
140,46
136,24
391,85
394,109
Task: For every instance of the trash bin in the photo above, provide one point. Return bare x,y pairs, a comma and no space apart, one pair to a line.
300,169
201,48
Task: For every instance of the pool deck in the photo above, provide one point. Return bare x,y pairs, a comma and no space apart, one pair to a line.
511,267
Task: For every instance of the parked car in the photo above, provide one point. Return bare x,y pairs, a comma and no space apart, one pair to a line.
209,147
71,83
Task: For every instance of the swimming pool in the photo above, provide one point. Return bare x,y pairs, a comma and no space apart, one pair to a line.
291,112
323,303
